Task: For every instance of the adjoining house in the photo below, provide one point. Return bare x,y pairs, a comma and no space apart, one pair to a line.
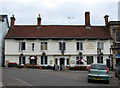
4,25
114,29
47,45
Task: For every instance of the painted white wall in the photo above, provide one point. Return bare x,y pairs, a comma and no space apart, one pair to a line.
89,49
3,31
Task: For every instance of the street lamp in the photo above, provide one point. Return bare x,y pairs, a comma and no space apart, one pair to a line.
62,52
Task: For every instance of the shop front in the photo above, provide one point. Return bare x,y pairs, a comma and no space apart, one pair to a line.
117,58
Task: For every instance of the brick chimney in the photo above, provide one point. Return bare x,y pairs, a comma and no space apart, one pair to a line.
87,18
106,19
38,21
12,20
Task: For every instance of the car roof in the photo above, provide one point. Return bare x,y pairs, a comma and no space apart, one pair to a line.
97,64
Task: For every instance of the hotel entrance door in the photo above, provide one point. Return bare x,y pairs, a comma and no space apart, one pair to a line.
62,61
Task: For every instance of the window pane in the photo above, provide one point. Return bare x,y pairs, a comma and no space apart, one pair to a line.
78,46
45,59
23,60
77,62
56,61
67,61
81,46
89,59
45,45
102,46
19,45
23,45
19,60
98,45
100,59
64,46
60,45
41,59
117,36
42,44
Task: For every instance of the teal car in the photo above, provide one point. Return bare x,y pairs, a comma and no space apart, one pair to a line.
98,72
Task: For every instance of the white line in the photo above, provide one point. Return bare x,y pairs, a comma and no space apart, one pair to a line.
27,84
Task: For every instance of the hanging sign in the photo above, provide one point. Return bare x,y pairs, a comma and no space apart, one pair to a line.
117,55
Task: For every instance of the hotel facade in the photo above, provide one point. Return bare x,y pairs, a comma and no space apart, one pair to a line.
47,45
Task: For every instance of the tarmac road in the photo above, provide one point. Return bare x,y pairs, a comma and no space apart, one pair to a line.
36,77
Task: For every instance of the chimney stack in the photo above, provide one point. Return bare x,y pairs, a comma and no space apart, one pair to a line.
87,18
12,20
106,19
38,21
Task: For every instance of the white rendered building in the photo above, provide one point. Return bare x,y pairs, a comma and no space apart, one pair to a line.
46,45
3,31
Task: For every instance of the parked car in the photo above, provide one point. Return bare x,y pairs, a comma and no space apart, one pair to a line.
117,70
98,72
11,64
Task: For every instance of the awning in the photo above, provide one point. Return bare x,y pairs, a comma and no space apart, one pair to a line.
82,60
32,57
117,55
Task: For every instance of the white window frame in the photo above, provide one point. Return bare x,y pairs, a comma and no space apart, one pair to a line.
115,38
79,45
101,45
43,49
20,46
65,45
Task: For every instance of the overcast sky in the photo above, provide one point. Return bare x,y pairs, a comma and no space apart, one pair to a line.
56,12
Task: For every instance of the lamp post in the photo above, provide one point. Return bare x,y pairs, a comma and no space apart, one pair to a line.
62,52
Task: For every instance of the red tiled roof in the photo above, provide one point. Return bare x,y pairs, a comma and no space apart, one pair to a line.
57,31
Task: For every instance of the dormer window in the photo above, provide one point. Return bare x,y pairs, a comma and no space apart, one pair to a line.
117,37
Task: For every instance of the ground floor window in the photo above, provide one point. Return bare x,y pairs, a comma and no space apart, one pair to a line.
77,60
100,59
67,61
89,60
44,60
21,60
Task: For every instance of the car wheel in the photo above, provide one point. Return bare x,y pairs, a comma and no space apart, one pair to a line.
107,82
89,80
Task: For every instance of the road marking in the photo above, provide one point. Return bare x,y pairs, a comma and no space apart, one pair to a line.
26,84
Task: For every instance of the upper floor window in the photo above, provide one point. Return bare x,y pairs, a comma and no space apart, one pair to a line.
22,46
62,45
79,45
117,37
100,45
44,46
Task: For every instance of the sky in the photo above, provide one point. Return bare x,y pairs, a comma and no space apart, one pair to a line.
59,12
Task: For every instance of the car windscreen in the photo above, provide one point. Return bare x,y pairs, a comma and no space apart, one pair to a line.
100,67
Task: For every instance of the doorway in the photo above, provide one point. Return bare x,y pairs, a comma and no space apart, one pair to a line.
117,60
62,62
33,61
108,63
